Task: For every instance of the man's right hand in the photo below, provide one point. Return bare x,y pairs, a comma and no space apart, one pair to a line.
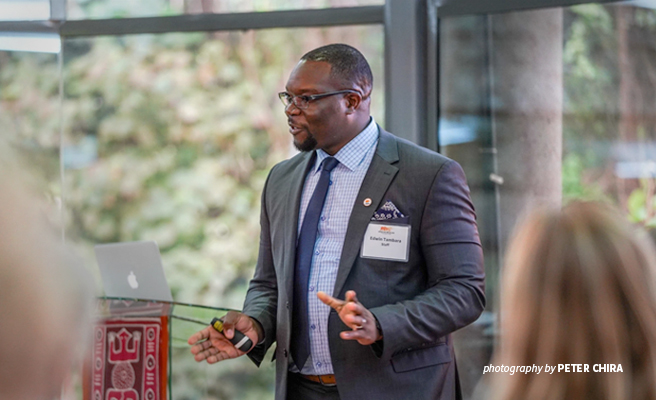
210,345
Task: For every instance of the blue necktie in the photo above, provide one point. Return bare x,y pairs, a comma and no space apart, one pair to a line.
300,344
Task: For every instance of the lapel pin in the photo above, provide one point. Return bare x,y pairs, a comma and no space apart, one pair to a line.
367,202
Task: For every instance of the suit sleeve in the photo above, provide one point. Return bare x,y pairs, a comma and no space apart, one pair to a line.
453,257
262,297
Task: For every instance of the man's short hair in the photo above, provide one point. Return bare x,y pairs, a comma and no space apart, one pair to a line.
347,63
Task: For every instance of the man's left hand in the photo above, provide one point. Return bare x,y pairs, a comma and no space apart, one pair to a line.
354,315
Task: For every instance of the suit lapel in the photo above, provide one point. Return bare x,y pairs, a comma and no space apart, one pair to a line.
294,190
376,182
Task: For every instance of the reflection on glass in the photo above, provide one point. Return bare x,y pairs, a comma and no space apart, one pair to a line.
610,122
29,116
94,9
546,106
30,42
24,10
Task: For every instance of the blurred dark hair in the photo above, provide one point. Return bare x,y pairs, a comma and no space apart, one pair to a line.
347,63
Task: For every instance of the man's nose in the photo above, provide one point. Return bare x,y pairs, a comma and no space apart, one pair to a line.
291,109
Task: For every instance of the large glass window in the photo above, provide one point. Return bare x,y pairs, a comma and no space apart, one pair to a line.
543,107
170,138
24,10
29,116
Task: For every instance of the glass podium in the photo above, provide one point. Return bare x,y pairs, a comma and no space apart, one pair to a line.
140,351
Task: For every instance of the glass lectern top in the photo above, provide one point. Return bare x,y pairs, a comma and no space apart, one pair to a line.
184,319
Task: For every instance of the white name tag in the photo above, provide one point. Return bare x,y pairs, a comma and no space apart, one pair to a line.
386,242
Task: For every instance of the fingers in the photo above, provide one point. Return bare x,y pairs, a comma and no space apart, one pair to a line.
354,335
216,348
350,310
213,346
235,320
331,301
354,315
203,350
230,320
200,347
210,345
203,334
355,319
365,336
362,324
213,355
207,342
222,355
351,296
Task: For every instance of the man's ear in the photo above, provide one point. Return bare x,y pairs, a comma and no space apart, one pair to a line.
353,101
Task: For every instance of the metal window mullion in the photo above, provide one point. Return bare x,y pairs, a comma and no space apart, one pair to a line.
411,93
226,22
432,76
57,10
450,8
29,26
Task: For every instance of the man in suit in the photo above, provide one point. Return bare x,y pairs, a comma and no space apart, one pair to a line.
369,252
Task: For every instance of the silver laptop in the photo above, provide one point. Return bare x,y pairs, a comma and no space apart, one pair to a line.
132,270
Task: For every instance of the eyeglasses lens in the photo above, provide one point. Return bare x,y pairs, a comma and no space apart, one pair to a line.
300,102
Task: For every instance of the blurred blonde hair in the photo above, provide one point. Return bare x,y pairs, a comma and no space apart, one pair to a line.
45,299
578,288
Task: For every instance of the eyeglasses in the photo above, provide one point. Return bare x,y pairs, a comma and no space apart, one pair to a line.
303,102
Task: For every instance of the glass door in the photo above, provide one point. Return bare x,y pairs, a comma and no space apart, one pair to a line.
545,106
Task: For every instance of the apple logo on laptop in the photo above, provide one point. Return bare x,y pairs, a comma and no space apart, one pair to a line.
132,280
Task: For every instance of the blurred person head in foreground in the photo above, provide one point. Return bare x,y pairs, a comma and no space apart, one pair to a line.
45,299
578,288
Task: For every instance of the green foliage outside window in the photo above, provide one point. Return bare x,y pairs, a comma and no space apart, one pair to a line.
169,138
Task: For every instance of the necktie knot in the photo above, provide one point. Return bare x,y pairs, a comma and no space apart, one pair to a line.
330,163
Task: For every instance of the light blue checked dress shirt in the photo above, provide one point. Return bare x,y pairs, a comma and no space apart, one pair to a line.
354,160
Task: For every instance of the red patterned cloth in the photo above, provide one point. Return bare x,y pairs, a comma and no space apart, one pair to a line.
129,359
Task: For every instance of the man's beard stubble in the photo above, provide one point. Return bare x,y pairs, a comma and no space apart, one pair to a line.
309,144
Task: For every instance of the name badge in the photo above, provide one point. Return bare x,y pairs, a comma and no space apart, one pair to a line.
384,241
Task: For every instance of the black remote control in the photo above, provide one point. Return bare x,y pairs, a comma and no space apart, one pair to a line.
241,341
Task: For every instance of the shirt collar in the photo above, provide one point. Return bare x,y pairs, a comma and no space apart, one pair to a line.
354,152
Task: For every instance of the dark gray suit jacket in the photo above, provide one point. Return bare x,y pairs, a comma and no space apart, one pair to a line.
418,303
